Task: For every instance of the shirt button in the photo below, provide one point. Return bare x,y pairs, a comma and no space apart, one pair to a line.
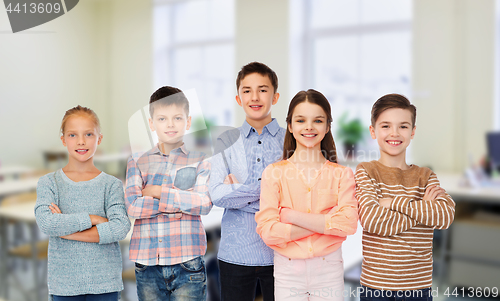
258,159
160,240
260,142
253,130
164,180
308,210
249,203
258,179
308,189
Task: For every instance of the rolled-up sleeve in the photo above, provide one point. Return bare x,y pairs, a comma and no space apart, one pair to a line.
269,227
342,220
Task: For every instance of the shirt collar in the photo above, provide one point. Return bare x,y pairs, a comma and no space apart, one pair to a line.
182,148
272,127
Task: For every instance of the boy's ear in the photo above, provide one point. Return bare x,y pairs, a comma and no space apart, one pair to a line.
238,100
188,125
413,132
372,132
151,126
63,140
276,96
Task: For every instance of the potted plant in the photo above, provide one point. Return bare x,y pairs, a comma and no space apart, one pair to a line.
202,127
350,133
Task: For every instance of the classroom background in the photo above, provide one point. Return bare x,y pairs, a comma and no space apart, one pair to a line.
110,55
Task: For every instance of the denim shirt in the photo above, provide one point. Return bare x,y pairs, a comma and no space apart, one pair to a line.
245,154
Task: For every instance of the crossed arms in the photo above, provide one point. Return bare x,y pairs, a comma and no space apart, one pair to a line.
147,201
82,226
393,215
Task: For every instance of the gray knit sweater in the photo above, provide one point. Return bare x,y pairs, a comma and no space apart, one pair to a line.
75,267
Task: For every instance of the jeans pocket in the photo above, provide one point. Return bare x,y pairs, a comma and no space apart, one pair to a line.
140,267
194,265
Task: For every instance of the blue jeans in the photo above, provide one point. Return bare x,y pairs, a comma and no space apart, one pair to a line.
99,297
183,281
369,294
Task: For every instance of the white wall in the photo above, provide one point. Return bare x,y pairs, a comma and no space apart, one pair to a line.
453,81
45,71
100,55
262,35
97,55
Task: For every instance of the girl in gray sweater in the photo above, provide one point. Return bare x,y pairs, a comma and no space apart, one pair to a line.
82,210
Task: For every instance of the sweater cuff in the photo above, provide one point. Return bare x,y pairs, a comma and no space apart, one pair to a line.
104,233
84,221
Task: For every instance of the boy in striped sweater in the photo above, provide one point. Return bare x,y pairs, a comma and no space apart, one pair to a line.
400,205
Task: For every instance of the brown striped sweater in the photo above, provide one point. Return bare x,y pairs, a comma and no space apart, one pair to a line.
397,242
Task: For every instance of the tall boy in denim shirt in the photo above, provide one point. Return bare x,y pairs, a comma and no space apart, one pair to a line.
242,156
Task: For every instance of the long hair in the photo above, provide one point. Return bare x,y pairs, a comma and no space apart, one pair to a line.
327,144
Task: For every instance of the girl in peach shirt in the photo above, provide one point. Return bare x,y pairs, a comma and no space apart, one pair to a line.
307,205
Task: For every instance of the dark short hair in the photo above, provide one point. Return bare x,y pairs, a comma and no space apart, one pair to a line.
166,96
393,101
262,69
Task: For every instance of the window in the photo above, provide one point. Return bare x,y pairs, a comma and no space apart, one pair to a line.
353,51
194,49
497,68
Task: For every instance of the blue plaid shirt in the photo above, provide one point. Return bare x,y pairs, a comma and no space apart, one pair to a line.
245,154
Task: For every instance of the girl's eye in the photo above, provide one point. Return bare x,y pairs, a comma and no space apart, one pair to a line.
318,121
161,119
299,121
90,135
385,126
178,118
71,135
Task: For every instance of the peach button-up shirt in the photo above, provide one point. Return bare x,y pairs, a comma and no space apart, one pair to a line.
330,193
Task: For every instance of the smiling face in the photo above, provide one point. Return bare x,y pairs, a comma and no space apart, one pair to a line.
256,96
393,131
81,138
308,125
170,123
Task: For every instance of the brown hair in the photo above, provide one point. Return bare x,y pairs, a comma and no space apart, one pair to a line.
327,144
393,101
81,111
256,67
166,96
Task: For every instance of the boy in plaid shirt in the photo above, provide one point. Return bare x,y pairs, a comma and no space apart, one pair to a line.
166,192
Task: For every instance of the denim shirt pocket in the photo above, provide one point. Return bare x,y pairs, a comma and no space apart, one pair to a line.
185,178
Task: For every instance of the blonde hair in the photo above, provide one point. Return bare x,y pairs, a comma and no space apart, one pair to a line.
81,111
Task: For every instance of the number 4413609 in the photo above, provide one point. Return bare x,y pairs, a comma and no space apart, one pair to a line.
472,292
34,8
